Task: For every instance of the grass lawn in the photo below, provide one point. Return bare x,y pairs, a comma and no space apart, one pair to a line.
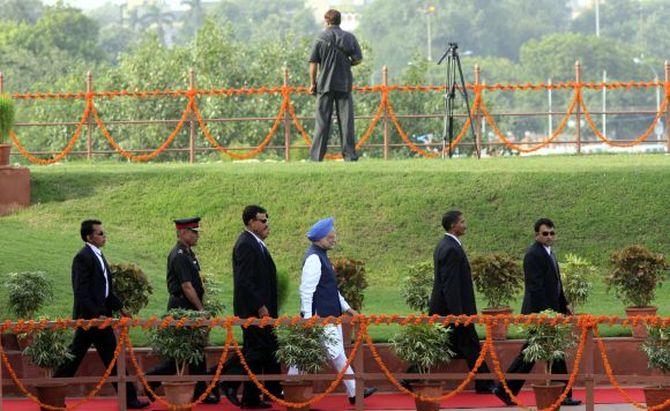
387,213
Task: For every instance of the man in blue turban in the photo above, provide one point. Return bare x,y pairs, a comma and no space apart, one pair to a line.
319,296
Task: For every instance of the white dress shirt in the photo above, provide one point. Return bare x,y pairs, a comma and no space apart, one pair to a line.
98,254
455,238
265,248
311,274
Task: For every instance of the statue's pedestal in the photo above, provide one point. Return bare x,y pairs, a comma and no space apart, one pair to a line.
14,189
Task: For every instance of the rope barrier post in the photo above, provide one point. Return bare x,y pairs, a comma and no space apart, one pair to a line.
192,120
666,67
89,120
588,370
385,82
287,123
121,373
578,113
478,116
360,381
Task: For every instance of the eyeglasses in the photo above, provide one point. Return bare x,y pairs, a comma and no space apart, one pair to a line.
548,233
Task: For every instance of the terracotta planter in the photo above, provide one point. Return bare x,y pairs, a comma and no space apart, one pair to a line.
179,393
656,395
427,389
499,332
640,330
297,391
545,395
52,394
5,150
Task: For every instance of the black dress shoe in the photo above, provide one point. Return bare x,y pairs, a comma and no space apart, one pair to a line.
500,392
262,405
486,389
211,399
231,395
137,404
569,401
366,393
406,384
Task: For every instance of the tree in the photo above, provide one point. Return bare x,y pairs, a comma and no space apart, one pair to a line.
194,18
155,17
21,11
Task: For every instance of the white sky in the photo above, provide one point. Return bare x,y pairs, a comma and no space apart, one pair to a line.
92,4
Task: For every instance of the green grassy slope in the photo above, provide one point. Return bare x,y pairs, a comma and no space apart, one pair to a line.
387,213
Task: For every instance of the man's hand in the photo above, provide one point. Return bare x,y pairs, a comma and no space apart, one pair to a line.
312,89
352,312
263,312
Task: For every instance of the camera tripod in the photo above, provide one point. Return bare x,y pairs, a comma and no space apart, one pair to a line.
454,73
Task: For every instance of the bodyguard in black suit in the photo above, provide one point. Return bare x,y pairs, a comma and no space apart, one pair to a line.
453,292
255,295
543,290
93,298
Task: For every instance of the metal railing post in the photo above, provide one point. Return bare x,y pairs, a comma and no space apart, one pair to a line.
121,374
1,397
578,114
666,67
477,118
360,381
191,136
89,120
588,370
287,125
385,83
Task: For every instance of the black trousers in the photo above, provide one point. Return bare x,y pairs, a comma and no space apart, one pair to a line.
324,114
104,342
260,345
522,367
168,367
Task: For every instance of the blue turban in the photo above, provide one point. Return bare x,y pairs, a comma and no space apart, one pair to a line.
320,229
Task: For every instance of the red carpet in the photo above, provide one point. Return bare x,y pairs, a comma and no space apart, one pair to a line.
381,401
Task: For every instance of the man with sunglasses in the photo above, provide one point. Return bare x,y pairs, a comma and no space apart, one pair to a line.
186,291
94,298
543,290
255,295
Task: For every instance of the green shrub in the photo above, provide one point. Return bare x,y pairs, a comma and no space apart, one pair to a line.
213,302
48,348
548,343
183,345
636,273
132,286
351,280
498,277
423,345
27,293
418,285
302,347
657,348
7,116
577,275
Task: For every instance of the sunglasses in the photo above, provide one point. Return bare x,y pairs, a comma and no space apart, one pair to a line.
262,220
101,233
548,233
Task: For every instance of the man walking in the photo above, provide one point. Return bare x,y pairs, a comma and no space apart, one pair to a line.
332,55
453,293
320,296
186,291
94,298
255,295
543,290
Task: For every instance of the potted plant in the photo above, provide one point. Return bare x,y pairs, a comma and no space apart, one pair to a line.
657,348
132,287
548,343
499,278
352,283
27,292
48,349
7,117
423,347
636,273
183,345
577,275
305,349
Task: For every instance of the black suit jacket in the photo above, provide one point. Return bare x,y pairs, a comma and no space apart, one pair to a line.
88,284
255,278
542,278
453,292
